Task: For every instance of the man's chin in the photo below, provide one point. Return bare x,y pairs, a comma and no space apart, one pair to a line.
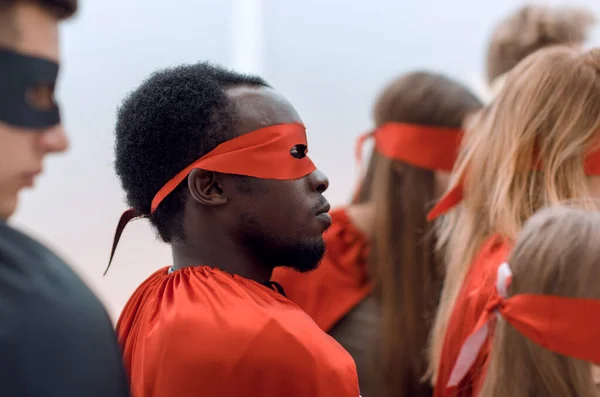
302,255
304,267
308,258
8,206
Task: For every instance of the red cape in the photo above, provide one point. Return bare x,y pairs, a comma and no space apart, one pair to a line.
202,332
478,288
339,283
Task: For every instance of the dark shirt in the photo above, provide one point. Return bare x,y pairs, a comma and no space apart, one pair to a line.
56,338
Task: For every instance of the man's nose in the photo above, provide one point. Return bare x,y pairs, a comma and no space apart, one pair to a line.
54,140
319,181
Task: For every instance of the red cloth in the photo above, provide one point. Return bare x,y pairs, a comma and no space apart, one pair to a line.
557,323
454,196
252,154
425,146
340,282
203,332
479,288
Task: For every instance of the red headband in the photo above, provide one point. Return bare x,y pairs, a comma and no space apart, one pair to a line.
563,325
430,147
453,197
275,152
264,153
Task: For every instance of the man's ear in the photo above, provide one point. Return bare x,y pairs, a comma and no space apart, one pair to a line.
206,187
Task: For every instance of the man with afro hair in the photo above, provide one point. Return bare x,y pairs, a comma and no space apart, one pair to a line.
217,162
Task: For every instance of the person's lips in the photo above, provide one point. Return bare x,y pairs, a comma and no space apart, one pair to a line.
323,216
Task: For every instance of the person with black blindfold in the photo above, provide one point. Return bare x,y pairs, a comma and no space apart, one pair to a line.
56,338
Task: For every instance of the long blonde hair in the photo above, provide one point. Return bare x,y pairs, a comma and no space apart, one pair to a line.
556,253
549,111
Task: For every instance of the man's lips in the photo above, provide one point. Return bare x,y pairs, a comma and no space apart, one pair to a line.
323,216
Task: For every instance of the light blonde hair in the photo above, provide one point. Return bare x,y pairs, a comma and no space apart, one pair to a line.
531,28
556,253
549,110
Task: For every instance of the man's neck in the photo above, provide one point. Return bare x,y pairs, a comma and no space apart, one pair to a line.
225,256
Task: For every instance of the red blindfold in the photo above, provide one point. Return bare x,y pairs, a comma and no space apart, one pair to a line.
429,147
275,152
563,325
454,196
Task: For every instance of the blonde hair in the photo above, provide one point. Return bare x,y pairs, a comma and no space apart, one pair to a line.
549,110
556,253
531,28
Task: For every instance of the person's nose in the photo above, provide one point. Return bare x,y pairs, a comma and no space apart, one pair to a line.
54,140
319,181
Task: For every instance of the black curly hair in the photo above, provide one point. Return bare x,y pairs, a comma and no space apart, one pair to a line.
175,117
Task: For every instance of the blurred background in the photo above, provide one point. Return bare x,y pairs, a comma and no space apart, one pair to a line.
328,57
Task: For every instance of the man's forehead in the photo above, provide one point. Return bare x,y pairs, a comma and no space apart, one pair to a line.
261,107
35,31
